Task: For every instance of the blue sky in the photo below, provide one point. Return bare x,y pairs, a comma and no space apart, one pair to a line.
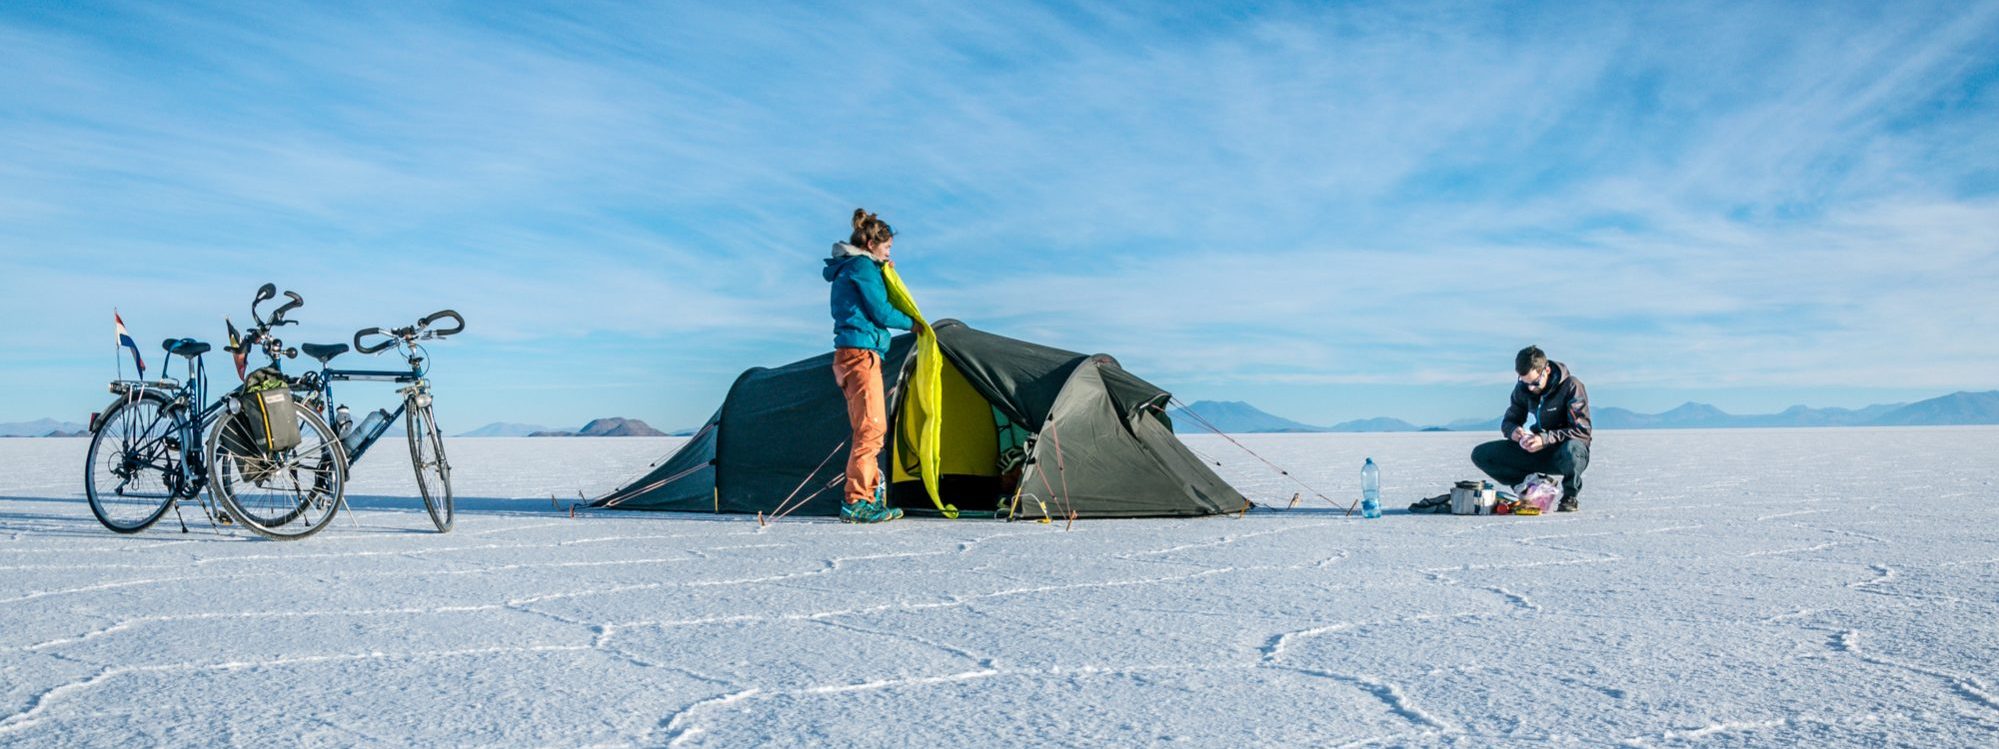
1332,211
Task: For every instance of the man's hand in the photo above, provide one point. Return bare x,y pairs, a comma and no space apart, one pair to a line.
1533,443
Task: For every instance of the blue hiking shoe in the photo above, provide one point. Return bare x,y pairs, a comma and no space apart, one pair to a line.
868,511
871,510
881,500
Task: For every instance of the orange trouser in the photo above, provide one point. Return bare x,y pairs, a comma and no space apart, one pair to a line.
859,372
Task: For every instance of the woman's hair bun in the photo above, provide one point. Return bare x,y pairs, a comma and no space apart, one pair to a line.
869,229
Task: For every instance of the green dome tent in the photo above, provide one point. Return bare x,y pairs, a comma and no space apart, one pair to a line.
1030,429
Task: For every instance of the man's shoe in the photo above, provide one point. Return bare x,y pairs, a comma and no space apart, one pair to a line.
1569,504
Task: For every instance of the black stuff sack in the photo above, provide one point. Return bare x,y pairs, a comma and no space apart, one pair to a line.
269,416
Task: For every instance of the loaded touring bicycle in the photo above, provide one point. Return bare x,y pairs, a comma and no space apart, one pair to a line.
275,451
270,465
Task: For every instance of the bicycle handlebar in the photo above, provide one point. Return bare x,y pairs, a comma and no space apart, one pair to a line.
440,315
268,292
410,333
278,316
367,349
264,294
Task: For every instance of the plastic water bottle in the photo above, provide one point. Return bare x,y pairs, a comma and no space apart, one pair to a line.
367,431
1370,490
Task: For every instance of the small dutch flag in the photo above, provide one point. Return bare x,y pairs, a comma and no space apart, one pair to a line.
125,339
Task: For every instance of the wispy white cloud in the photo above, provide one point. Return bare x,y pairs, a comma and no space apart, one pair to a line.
1307,197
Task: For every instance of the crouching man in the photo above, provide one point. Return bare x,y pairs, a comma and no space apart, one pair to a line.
1559,441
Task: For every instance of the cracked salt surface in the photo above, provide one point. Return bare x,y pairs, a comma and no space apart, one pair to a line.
1839,591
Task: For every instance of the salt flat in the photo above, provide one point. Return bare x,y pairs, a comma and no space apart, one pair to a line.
1725,588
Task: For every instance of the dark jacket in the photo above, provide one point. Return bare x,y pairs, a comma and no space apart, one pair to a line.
1562,408
862,315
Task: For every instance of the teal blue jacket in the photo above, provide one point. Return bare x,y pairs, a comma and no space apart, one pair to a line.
862,316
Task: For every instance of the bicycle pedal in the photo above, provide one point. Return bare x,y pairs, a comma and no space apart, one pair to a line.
222,518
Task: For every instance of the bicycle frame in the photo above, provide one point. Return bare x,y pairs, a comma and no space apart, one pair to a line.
192,475
139,465
415,386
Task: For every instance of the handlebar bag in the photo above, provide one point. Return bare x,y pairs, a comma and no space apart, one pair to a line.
269,416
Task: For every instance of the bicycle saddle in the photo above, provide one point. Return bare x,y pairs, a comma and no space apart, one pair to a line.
324,352
187,347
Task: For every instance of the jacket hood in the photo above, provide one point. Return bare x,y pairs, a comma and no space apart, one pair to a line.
838,263
843,253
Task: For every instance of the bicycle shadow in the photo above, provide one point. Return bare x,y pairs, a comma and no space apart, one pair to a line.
73,520
462,505
367,516
528,507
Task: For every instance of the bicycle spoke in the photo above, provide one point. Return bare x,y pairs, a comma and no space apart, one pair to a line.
433,472
131,476
289,495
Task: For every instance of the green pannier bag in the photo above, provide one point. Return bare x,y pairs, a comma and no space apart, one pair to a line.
269,417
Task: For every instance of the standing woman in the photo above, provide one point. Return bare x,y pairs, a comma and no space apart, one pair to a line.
862,318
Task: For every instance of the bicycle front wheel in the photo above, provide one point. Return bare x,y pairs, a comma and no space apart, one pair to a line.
433,472
286,495
133,471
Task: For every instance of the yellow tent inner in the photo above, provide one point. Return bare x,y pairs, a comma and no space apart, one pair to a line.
969,439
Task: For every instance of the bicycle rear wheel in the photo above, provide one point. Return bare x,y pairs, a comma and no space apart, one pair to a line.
287,495
433,472
133,471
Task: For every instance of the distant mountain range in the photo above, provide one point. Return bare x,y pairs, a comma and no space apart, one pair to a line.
1240,417
608,427
506,429
1234,416
1961,408
43,428
611,427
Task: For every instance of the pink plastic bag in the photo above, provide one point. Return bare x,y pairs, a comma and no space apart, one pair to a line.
1541,491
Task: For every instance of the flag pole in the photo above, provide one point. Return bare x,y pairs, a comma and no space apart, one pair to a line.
117,346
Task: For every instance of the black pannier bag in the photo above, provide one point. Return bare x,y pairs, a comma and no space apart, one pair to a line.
268,415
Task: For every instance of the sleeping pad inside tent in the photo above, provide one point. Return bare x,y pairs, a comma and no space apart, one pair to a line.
1027,431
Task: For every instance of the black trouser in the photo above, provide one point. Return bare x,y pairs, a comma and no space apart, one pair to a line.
1508,463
